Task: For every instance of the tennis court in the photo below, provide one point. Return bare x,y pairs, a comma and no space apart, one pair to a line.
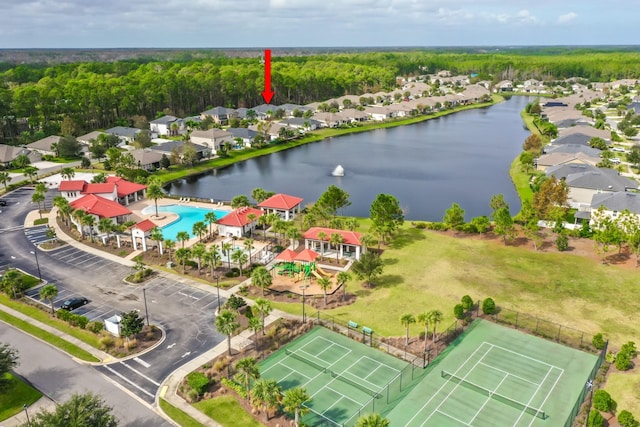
344,378
496,376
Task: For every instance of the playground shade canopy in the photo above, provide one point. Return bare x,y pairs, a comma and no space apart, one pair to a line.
307,255
286,256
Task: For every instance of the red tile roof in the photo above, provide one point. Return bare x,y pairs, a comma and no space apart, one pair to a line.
349,237
76,185
100,206
145,225
125,187
99,188
281,201
238,217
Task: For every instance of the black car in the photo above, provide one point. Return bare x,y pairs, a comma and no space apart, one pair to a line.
3,203
73,303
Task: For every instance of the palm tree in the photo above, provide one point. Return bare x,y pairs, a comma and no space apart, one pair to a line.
294,401
182,255
199,228
294,235
64,207
343,277
226,250
210,218
11,282
240,258
407,320
4,179
255,325
226,324
248,370
261,278
154,192
31,172
67,173
424,319
248,246
266,395
322,235
77,215
251,217
324,283
436,317
38,198
197,251
49,293
105,225
263,221
336,240
156,236
264,308
212,258
169,246
182,236
372,420
89,220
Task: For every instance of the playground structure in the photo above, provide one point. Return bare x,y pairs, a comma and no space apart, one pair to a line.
299,272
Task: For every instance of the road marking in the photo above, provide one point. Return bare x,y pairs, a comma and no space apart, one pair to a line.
186,354
157,384
142,362
163,391
188,295
171,346
129,381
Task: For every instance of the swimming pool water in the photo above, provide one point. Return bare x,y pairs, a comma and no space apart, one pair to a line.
187,216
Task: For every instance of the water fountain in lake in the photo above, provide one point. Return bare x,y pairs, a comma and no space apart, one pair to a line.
338,171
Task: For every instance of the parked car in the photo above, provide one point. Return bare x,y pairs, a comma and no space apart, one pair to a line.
615,161
73,303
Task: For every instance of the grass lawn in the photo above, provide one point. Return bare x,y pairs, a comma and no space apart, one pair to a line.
18,394
178,415
624,387
226,411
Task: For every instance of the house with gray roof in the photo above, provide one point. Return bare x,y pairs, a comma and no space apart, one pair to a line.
583,185
573,149
290,108
573,139
615,203
246,135
88,137
178,147
8,153
220,115
45,146
147,158
262,110
302,123
163,125
126,134
562,171
211,138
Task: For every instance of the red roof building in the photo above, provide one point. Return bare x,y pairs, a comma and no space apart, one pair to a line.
146,225
100,207
105,190
126,188
115,188
237,223
351,246
284,205
76,185
140,232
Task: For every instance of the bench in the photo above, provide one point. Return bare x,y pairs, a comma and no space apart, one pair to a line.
366,330
353,324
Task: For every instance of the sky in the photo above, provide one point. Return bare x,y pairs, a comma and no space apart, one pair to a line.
298,23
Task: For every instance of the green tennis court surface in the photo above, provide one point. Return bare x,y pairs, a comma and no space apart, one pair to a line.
344,378
492,376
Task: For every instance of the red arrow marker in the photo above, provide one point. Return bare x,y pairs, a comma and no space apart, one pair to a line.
267,94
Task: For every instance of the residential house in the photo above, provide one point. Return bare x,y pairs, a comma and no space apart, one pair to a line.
126,134
147,159
615,203
88,137
353,115
115,189
562,171
351,246
331,120
379,113
127,191
177,148
45,146
573,149
220,115
99,208
265,110
237,222
71,189
213,139
8,153
583,185
166,125
554,159
577,138
244,134
587,131
290,108
282,204
301,123
503,86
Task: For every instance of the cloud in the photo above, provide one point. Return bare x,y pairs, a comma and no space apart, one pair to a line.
567,18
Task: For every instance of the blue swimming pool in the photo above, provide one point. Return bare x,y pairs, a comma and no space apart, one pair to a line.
187,216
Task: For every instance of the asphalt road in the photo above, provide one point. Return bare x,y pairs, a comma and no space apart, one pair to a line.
186,314
59,377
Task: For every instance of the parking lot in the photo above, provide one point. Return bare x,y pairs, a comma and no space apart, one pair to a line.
93,264
37,234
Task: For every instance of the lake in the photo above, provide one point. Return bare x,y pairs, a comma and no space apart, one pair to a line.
461,158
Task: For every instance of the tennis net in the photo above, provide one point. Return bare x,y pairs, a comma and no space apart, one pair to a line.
295,355
500,398
372,393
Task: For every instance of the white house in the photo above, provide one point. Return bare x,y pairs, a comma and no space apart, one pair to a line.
237,223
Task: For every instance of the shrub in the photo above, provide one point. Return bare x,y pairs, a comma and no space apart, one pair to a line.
106,342
598,341
242,392
630,349
623,362
198,382
458,311
562,242
95,327
610,357
602,401
467,302
421,226
437,226
626,419
63,314
235,302
234,272
595,419
78,320
488,306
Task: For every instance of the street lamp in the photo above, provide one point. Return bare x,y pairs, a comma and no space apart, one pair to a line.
304,317
35,253
218,291
146,311
25,406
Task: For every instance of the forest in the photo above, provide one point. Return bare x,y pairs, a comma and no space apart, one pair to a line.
35,97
